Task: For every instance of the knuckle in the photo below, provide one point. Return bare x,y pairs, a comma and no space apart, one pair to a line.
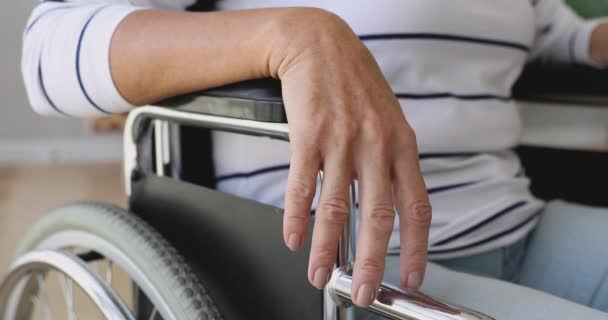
410,135
294,218
379,144
370,265
314,135
304,144
343,125
420,212
341,142
322,253
382,216
376,129
300,191
347,132
406,140
335,210
306,137
416,253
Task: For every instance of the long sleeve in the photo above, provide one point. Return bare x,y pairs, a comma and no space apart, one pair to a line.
562,36
65,58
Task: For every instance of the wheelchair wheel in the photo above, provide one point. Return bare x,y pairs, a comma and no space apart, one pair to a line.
79,253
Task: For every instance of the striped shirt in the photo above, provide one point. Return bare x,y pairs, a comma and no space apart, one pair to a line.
452,65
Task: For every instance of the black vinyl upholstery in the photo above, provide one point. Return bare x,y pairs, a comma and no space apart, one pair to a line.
572,175
257,90
236,247
259,100
559,84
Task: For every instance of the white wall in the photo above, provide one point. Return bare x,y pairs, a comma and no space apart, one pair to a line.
25,136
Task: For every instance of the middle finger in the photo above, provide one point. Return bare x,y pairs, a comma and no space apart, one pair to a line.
332,211
376,225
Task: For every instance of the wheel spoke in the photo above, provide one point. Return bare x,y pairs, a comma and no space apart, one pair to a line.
38,305
39,300
35,301
68,294
96,266
153,314
109,273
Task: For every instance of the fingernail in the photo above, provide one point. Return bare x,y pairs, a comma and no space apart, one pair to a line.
414,280
294,242
321,277
366,295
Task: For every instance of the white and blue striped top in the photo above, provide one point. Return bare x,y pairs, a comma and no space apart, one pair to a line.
452,65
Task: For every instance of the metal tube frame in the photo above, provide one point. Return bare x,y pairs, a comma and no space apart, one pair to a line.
391,302
21,270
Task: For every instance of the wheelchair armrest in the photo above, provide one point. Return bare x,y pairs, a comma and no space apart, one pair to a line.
262,100
563,84
259,100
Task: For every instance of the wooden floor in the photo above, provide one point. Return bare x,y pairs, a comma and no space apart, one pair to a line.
26,193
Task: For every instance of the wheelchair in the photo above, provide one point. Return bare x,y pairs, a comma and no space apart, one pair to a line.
183,251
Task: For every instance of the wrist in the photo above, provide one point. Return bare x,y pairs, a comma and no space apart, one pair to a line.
306,35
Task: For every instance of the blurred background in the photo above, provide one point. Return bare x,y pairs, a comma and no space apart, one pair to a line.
45,162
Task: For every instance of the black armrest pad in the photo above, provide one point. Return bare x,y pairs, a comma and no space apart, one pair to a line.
563,84
257,90
259,100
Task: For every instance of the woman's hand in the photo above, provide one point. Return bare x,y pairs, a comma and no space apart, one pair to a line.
345,119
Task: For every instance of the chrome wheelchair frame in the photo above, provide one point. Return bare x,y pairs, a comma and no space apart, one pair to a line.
392,302
23,288
239,110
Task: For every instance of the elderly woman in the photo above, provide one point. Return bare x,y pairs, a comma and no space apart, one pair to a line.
411,98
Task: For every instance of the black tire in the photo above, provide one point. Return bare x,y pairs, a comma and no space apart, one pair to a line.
149,257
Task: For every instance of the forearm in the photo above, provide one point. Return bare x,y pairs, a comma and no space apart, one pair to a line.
85,59
599,44
157,54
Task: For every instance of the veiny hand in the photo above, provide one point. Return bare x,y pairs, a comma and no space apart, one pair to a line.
345,119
